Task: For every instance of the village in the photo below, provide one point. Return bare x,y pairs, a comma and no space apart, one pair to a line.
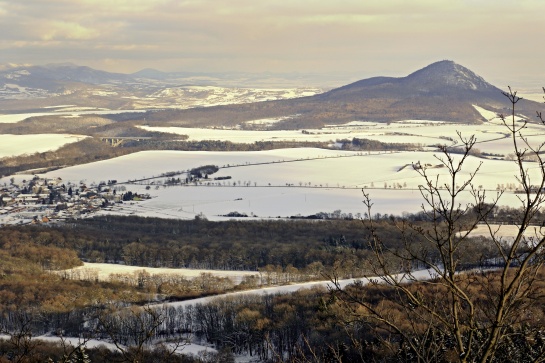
44,200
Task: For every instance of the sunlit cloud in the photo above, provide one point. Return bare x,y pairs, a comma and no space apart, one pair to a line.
122,6
68,30
12,65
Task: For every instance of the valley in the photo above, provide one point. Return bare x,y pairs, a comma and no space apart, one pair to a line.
133,199
299,182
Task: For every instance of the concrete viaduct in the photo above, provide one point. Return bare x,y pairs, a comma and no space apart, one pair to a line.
118,140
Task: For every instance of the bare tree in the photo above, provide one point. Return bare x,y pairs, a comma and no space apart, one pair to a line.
22,328
20,334
133,330
73,350
426,302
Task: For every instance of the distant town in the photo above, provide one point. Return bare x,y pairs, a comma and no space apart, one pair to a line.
45,200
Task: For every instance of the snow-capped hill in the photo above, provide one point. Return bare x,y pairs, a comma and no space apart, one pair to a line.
439,78
448,74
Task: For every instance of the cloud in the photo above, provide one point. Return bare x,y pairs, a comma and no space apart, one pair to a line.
272,35
4,67
121,6
68,30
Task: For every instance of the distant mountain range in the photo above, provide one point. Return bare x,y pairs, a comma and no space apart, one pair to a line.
31,88
52,76
441,91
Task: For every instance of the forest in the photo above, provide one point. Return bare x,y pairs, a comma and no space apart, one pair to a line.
203,244
36,302
311,325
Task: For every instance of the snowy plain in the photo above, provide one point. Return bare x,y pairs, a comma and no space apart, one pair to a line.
423,132
284,183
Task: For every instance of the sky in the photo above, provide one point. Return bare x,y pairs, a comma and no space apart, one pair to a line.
501,40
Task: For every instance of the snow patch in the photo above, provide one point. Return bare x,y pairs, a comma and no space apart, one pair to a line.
104,270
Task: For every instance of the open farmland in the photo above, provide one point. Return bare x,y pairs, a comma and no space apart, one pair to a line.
302,181
491,135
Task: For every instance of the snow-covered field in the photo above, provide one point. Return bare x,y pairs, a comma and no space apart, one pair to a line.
491,137
304,181
13,145
283,183
507,232
65,112
322,135
104,270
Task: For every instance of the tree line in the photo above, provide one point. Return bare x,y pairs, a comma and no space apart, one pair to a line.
228,245
199,243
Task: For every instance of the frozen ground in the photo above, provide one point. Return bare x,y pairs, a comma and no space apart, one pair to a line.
424,133
507,232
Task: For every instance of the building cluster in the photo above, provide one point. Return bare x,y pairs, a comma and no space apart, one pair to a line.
44,200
